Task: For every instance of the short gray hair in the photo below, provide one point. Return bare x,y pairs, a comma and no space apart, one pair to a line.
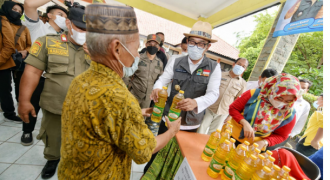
98,43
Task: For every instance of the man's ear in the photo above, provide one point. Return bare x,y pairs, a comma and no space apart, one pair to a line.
49,15
114,48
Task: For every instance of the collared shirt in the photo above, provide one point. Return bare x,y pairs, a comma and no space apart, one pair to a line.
230,89
302,108
315,122
38,28
203,102
252,85
103,129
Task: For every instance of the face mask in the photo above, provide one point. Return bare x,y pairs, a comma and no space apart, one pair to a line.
315,105
238,70
195,53
277,104
161,44
60,21
129,71
152,50
78,37
15,15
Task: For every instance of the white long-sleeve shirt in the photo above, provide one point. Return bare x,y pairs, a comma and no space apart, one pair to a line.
203,102
302,108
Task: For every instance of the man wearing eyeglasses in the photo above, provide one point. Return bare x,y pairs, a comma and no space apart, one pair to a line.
198,76
149,69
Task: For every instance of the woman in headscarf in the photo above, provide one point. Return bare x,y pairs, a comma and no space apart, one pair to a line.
266,116
10,14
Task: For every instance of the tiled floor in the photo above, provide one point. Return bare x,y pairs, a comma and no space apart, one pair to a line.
18,162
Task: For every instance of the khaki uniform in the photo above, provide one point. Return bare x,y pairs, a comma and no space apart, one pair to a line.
143,80
230,89
62,61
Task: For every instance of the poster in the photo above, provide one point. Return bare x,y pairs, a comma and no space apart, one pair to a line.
184,172
300,16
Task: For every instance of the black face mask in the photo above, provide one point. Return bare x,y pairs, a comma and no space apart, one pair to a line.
152,50
15,15
161,44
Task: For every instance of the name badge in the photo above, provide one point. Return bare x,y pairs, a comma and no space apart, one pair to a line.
181,70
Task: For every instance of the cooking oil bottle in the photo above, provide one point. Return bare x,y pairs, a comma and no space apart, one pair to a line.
174,113
267,153
262,174
255,152
269,162
158,109
247,168
275,172
291,178
260,161
246,144
284,173
225,126
251,149
211,145
225,136
219,159
234,162
232,148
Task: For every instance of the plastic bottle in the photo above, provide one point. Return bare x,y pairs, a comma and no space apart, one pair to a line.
284,173
260,161
219,159
269,162
251,149
291,178
158,109
229,127
247,168
174,113
256,152
246,144
275,172
233,163
225,126
211,145
232,148
225,136
262,174
267,153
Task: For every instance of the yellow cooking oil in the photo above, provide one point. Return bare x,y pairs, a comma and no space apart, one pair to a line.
211,145
219,159
158,109
247,168
174,113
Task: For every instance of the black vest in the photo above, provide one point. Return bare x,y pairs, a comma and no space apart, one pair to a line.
192,84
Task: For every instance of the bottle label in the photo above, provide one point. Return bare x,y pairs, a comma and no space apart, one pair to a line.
216,166
228,172
236,177
157,112
208,151
172,115
231,167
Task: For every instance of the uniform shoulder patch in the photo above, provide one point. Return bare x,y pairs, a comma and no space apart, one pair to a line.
36,48
56,47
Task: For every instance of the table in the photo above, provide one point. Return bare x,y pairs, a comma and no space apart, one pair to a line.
185,145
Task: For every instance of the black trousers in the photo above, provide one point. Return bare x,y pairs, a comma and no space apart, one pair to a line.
7,103
162,129
35,98
305,150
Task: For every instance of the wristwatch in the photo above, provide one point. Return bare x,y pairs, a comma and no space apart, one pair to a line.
266,142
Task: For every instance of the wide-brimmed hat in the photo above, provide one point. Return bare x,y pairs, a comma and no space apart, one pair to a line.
201,30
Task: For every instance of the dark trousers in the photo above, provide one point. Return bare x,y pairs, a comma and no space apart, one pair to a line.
162,129
35,98
7,103
305,150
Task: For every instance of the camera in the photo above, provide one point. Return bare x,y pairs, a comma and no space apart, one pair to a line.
75,5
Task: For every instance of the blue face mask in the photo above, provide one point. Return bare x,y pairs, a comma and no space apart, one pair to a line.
315,105
195,53
129,71
238,70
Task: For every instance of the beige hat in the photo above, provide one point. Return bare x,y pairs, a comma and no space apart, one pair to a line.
202,30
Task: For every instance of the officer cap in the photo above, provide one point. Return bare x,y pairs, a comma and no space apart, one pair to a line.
153,37
77,17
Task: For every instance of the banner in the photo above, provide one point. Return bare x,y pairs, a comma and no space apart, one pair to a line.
300,16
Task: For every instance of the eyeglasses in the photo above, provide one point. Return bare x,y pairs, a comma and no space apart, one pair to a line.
200,45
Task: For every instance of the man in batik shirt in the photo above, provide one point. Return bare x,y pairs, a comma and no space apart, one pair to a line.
103,129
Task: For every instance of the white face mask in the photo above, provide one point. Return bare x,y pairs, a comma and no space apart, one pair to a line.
78,37
195,53
129,71
60,21
238,70
277,104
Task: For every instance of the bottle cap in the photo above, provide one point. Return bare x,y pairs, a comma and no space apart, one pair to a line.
286,168
253,157
231,126
260,156
257,150
229,122
255,145
267,169
232,140
246,143
227,131
243,148
272,159
269,152
291,178
164,87
219,130
227,142
182,92
276,167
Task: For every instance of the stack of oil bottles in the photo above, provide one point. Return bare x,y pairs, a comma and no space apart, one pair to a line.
243,162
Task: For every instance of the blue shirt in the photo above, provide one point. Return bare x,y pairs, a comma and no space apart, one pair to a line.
317,158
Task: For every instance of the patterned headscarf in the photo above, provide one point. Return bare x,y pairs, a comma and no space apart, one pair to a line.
269,117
